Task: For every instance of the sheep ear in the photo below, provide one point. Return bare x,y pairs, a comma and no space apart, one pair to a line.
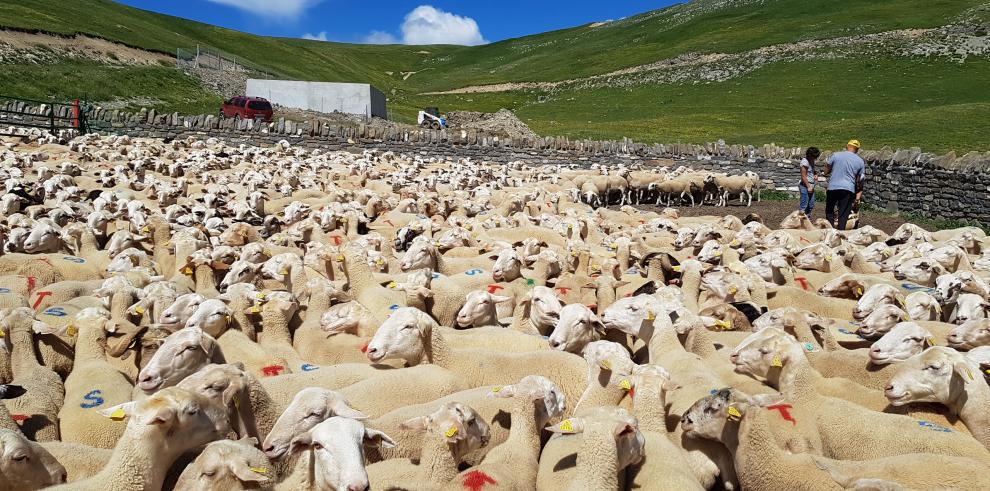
40,327
301,442
10,391
339,406
377,439
500,299
764,400
502,391
244,473
962,368
119,411
419,423
568,426
624,428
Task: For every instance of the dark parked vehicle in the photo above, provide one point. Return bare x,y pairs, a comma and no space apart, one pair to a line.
241,107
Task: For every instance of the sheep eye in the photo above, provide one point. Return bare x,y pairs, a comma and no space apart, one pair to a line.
318,446
931,367
208,473
21,458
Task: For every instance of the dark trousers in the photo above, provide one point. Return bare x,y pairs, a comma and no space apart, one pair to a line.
844,201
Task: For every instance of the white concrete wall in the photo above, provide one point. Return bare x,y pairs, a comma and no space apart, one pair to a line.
320,96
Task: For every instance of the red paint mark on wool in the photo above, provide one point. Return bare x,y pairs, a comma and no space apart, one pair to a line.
32,282
20,418
563,290
476,480
272,370
803,282
41,297
494,288
784,410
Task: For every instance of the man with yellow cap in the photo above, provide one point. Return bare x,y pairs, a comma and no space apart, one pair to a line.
845,185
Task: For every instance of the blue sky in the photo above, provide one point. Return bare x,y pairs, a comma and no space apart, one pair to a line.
398,21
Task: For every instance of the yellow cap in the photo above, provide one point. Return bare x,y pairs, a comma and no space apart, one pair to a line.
853,143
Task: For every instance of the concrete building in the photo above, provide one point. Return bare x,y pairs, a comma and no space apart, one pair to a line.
325,97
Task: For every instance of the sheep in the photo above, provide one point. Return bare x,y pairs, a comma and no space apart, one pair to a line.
92,384
945,376
45,391
227,464
159,430
183,353
410,335
26,465
80,461
336,454
970,334
452,431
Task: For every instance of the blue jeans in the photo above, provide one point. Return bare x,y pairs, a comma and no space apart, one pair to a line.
807,200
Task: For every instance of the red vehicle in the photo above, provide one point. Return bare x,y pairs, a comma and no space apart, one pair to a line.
242,107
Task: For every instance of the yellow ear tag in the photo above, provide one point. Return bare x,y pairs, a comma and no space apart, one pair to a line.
118,415
2,334
829,258
887,253
187,270
677,269
605,364
139,309
497,389
392,284
283,272
650,315
718,253
566,425
267,252
450,432
259,470
625,384
145,230
777,362
260,296
340,257
71,330
168,243
734,413
859,291
931,341
255,309
734,243
733,290
969,373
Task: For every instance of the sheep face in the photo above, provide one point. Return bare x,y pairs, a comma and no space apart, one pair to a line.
402,336
707,417
818,257
970,307
630,314
577,327
880,321
684,237
507,267
338,451
459,425
343,317
310,407
544,308
212,317
550,401
938,374
970,334
947,256
711,252
759,352
922,306
25,464
723,284
182,354
479,309
42,238
904,340
922,271
221,383
845,286
181,310
188,419
419,256
226,464
279,266
795,220
875,296
240,272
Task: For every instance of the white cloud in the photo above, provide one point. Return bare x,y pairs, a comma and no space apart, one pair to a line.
280,9
321,36
380,37
429,25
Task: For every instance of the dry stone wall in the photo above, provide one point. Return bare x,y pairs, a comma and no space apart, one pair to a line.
907,180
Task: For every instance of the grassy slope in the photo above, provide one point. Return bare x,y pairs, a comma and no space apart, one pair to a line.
777,103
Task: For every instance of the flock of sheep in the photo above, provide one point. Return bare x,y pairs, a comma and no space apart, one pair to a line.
187,314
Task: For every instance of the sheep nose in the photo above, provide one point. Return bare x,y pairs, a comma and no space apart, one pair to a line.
889,387
875,350
358,487
554,343
733,357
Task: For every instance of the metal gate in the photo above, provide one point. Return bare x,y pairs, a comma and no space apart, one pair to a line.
47,115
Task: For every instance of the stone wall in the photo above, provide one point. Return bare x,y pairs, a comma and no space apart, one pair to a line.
908,180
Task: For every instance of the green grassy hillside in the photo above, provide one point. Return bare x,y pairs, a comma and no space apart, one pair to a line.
936,103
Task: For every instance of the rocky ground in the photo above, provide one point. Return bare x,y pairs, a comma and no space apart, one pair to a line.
773,212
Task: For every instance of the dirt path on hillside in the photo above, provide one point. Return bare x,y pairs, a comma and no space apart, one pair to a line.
16,46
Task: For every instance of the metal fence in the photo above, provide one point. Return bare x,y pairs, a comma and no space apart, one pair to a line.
47,115
211,58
